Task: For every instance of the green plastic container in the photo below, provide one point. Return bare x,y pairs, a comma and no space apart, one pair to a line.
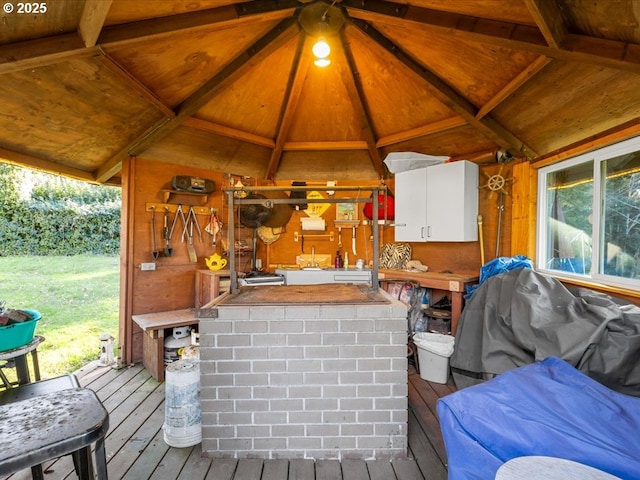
18,334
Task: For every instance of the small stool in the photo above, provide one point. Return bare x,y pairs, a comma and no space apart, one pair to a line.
18,356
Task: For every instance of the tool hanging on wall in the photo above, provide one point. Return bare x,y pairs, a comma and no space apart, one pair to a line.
166,234
154,251
481,237
214,226
189,224
500,212
353,240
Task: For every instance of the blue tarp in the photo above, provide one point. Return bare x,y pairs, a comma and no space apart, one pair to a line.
547,408
500,265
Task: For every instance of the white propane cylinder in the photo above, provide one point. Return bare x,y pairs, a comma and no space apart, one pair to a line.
182,423
173,345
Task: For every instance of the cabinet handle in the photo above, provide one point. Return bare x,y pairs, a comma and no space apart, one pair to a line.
422,232
428,231
400,224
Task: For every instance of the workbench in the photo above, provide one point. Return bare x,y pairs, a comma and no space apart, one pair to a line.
454,283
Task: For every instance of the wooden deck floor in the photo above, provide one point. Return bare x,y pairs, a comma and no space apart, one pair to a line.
136,449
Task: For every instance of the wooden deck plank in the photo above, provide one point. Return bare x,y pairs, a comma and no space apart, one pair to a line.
408,470
354,470
196,466
301,469
275,469
328,470
380,470
222,469
128,439
423,400
423,452
249,469
152,454
172,463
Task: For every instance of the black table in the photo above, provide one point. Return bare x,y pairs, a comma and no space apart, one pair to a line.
40,421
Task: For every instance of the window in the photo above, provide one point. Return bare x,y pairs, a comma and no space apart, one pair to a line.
589,216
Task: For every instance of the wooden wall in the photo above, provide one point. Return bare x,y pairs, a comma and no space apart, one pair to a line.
171,285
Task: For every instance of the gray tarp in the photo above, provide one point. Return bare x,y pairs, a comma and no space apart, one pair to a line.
521,316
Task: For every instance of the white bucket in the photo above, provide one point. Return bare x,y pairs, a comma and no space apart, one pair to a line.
182,423
434,350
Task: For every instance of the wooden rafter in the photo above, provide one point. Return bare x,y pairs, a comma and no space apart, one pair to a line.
92,20
549,20
45,165
442,91
351,80
435,127
133,83
293,90
510,88
575,48
43,51
222,17
228,132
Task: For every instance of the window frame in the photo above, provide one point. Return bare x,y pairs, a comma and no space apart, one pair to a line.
598,157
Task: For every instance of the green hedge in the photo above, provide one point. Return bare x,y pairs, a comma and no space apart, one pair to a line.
57,217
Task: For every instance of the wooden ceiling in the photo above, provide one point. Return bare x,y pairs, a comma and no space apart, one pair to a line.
231,86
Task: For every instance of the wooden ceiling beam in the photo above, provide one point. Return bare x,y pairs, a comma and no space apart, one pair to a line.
297,77
324,146
575,48
246,60
41,164
446,94
548,17
225,16
430,129
133,83
355,91
41,52
92,20
210,127
510,88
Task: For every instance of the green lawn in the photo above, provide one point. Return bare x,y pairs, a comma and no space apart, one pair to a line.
77,297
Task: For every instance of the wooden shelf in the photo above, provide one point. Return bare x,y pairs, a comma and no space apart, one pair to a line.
166,195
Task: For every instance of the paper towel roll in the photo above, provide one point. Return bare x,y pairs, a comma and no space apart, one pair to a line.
313,223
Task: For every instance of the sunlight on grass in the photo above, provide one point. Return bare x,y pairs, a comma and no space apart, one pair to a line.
78,297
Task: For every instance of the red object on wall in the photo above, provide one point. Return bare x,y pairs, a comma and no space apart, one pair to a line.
390,208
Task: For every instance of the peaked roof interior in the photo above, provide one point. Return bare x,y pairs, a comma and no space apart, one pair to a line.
232,86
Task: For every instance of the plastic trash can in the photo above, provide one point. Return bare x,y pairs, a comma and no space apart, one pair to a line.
434,350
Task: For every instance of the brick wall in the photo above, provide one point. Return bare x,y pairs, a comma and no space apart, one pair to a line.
313,381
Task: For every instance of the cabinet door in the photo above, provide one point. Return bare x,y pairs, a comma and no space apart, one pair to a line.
410,202
452,202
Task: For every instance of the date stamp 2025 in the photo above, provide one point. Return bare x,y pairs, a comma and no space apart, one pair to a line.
25,8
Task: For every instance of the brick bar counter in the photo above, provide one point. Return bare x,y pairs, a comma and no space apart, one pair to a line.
310,371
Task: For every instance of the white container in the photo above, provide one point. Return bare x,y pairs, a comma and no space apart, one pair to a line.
434,350
182,423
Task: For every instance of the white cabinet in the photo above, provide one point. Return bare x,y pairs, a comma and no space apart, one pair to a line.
437,203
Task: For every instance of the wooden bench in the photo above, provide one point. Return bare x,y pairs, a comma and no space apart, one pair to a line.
153,325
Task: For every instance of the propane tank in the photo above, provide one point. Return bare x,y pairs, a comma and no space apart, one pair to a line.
173,345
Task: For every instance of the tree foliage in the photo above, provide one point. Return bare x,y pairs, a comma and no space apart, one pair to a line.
42,214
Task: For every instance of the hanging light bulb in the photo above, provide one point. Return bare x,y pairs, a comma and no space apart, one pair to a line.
321,48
